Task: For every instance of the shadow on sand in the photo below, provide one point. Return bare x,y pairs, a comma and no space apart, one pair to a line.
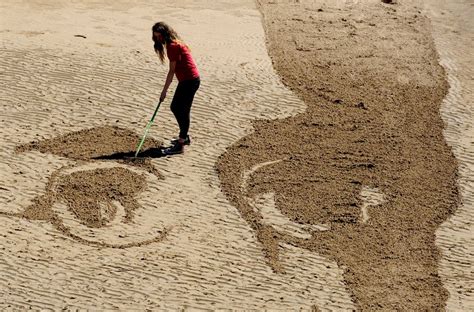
154,152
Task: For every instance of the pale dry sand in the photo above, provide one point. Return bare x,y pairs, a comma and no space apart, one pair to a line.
55,81
453,31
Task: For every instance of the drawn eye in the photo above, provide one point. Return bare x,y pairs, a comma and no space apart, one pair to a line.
95,200
93,196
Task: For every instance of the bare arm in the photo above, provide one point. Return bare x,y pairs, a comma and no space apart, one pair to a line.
169,79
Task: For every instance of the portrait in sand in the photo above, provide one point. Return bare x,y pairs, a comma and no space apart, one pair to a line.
349,170
313,156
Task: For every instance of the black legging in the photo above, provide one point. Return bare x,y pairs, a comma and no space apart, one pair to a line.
181,104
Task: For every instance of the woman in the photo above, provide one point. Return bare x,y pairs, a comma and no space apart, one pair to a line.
182,65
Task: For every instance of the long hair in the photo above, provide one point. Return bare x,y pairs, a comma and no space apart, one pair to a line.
169,35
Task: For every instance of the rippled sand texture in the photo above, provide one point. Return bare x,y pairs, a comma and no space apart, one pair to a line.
67,67
453,31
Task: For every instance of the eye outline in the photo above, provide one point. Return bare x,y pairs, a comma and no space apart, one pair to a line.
58,222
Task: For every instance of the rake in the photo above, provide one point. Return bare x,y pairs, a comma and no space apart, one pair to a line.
148,126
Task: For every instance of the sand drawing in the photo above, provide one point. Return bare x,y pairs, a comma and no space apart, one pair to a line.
210,258
318,179
96,197
353,162
453,29
266,206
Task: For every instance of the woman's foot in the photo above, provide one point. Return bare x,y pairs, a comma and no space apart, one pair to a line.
176,148
186,141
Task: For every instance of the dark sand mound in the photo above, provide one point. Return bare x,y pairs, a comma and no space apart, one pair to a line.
100,143
90,143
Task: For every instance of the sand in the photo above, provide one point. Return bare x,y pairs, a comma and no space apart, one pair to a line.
370,76
293,177
453,31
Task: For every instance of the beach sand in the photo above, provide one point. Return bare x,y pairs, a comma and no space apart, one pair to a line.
317,178
370,76
453,31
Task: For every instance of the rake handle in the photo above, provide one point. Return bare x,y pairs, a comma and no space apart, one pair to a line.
148,126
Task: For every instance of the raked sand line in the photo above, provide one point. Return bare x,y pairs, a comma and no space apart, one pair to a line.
453,30
56,84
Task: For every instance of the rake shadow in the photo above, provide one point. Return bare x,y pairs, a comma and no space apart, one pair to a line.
153,152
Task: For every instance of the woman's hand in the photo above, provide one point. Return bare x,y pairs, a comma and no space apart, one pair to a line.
163,95
169,78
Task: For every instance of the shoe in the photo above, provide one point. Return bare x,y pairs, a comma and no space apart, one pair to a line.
176,148
187,141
